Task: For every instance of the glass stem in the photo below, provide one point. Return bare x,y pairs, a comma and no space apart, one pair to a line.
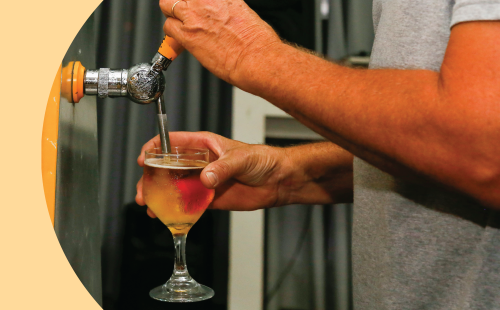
180,269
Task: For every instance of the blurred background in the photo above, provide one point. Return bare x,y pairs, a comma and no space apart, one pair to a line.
306,248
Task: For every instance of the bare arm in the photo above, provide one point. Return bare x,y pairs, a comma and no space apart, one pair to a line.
418,124
413,123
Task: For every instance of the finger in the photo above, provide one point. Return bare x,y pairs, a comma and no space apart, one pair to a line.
215,143
138,197
151,213
179,11
196,140
172,28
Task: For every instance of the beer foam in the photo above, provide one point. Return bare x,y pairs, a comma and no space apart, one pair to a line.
160,163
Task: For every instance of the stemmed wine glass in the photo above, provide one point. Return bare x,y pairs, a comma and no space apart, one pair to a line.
173,191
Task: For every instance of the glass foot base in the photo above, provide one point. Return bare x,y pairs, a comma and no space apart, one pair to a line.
190,291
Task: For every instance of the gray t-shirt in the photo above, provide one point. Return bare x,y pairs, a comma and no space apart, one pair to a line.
416,247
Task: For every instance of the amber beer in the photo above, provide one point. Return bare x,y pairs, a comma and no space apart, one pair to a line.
174,192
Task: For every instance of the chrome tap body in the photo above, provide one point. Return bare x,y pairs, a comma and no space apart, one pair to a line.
143,83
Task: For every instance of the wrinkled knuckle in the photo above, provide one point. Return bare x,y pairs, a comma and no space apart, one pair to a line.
182,9
192,27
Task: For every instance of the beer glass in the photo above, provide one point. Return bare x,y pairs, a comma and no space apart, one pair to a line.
173,191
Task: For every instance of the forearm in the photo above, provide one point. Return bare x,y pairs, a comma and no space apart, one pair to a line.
413,123
316,173
338,101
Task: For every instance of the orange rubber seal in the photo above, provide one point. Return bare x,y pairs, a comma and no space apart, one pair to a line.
78,76
72,82
170,48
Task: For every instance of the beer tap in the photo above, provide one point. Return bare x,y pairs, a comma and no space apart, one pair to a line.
143,83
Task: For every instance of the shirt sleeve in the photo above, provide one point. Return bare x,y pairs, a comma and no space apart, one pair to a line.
472,10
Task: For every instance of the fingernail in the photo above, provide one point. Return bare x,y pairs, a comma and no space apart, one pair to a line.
212,178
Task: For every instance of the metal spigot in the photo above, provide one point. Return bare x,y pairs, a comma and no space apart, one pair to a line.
143,83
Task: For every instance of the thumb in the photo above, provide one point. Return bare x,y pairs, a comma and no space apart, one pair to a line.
222,170
250,167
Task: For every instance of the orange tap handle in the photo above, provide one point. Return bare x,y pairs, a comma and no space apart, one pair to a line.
170,48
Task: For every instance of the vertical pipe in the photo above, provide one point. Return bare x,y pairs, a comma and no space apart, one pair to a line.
318,257
340,256
336,48
318,28
273,258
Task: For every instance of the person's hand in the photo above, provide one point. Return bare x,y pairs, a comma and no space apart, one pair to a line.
246,177
219,33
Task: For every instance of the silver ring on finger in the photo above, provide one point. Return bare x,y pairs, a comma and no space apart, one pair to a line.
173,7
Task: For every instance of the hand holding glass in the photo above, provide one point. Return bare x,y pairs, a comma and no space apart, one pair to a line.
173,191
